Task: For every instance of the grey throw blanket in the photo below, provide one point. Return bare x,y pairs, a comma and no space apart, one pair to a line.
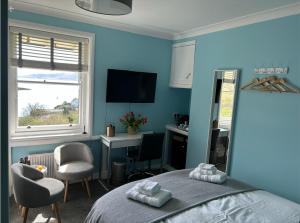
114,207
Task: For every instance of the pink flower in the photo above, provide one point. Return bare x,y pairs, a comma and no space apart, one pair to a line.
129,119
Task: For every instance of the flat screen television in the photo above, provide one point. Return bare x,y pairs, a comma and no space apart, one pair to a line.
130,86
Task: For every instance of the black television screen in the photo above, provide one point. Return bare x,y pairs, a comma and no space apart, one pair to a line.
129,86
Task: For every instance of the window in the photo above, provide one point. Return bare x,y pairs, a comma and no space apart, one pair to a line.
51,82
44,101
226,100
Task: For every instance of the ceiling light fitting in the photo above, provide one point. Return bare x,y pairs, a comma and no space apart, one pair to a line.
106,7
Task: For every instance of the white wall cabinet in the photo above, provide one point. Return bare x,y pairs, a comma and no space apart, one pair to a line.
182,65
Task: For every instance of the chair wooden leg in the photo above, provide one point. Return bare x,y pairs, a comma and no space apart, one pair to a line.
87,187
82,183
25,214
52,207
66,190
57,212
22,211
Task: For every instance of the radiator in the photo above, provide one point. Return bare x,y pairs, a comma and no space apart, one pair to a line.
46,159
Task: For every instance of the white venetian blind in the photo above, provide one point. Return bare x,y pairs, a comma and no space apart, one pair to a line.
45,50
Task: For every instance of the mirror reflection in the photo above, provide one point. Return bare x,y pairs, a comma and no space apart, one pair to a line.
222,112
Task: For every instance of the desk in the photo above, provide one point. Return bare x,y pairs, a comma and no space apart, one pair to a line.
120,140
224,132
173,128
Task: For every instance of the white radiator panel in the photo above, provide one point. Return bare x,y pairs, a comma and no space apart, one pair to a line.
46,159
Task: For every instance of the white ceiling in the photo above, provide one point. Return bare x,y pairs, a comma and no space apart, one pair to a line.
165,17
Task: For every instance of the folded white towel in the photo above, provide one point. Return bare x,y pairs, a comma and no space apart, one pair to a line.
218,178
206,166
149,188
207,172
157,200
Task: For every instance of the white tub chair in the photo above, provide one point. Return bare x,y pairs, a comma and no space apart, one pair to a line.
33,190
73,161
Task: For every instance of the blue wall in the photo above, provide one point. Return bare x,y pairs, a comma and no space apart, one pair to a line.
266,144
120,50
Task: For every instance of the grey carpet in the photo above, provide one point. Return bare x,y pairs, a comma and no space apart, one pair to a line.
74,211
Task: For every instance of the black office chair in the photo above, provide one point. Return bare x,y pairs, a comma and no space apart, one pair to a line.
213,145
150,149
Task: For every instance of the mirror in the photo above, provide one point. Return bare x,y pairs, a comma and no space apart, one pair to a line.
222,115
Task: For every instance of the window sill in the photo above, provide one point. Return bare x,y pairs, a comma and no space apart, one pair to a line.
49,139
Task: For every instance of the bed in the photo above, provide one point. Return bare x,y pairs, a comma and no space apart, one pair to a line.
196,201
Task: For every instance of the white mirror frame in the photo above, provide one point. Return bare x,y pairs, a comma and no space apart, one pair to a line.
214,85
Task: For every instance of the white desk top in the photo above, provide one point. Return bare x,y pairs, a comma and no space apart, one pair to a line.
121,137
122,140
223,132
173,128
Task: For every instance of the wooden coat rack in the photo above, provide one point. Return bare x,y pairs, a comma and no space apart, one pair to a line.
271,84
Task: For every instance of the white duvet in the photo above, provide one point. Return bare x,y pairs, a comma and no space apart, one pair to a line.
250,207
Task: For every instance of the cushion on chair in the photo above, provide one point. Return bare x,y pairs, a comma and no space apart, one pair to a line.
74,170
54,186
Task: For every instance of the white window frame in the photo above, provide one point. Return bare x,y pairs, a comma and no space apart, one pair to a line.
58,132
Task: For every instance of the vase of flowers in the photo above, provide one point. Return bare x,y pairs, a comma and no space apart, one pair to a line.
131,130
132,122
